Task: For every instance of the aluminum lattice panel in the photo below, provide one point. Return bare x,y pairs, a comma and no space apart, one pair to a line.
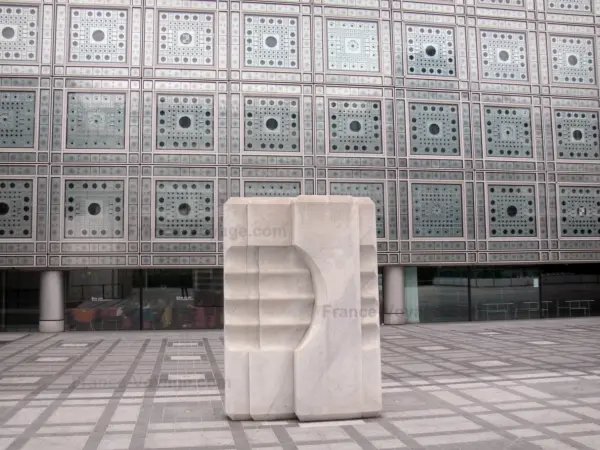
512,211
352,46
355,126
579,211
18,33
430,51
16,208
503,55
437,210
577,134
185,209
94,209
272,124
572,60
185,122
98,35
271,189
96,120
434,129
271,42
508,132
372,190
17,119
571,5
186,38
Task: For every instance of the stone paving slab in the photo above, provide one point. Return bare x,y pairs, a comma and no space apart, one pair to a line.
521,385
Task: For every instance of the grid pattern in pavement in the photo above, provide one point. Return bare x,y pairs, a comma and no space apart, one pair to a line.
462,386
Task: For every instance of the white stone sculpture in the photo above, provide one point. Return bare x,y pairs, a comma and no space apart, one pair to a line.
301,308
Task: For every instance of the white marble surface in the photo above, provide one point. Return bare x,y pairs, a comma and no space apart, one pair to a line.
301,309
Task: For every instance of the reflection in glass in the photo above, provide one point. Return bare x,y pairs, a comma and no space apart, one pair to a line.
20,300
442,295
571,290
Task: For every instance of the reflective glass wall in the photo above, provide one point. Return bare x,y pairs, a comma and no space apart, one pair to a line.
19,295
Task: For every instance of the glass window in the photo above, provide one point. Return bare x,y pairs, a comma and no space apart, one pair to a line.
20,300
505,293
103,299
183,299
570,290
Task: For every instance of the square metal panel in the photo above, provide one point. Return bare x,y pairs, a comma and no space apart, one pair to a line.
508,132
272,188
503,55
16,209
374,191
271,41
186,38
352,45
94,209
437,210
95,120
18,33
98,35
431,51
434,129
573,60
185,209
185,122
355,126
272,124
576,134
512,211
579,211
17,119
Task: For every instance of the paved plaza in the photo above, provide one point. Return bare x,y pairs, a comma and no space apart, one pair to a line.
515,385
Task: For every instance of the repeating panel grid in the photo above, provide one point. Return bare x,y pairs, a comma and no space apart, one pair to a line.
271,41
185,209
512,211
570,5
572,60
437,210
508,132
431,51
434,129
272,124
95,120
18,33
375,191
579,211
185,122
355,126
272,188
503,55
94,209
17,119
98,35
352,45
16,209
186,38
577,134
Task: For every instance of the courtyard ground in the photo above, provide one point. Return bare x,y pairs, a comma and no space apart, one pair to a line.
505,385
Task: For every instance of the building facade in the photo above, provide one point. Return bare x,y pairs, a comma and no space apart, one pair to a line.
125,125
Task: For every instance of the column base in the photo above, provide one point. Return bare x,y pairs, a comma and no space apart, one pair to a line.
394,319
52,326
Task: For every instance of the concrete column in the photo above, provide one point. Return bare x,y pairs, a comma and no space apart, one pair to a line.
393,295
52,302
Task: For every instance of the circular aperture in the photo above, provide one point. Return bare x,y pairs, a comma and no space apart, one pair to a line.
4,208
185,122
98,35
8,32
430,50
272,124
271,41
94,209
572,59
355,126
503,55
434,129
185,38
184,209
511,211
577,135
